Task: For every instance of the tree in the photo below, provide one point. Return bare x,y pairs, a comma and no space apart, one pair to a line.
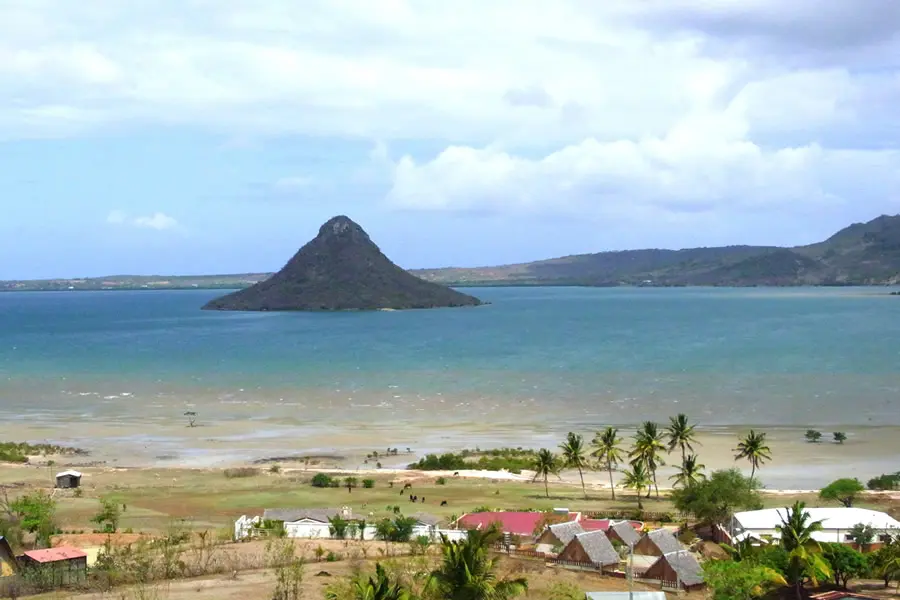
813,436
754,449
730,580
862,534
680,434
885,562
840,437
338,527
690,472
845,562
648,448
34,513
288,568
574,456
545,464
108,516
191,417
715,499
637,479
843,490
350,483
607,450
321,480
468,572
805,561
379,587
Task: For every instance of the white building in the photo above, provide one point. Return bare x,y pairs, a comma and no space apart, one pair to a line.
836,523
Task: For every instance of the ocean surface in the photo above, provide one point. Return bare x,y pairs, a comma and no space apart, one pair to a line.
535,358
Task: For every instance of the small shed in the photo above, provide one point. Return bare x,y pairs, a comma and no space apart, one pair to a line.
57,567
679,566
624,532
557,536
657,543
7,559
590,547
68,479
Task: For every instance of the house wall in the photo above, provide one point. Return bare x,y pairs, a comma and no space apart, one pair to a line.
661,569
574,552
646,547
61,572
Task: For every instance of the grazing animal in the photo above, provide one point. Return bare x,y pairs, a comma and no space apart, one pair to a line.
423,499
390,484
456,473
443,503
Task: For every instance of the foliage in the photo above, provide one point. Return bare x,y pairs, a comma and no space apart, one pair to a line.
34,510
813,436
468,572
689,473
885,482
885,562
288,569
680,434
275,469
350,483
440,481
397,530
715,499
338,527
607,450
730,580
805,562
565,591
368,483
574,456
545,464
108,516
18,452
321,480
843,490
191,417
239,472
637,479
420,545
378,587
754,449
845,562
862,534
648,448
839,437
514,460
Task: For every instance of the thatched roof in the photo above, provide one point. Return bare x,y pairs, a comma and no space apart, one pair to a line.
665,540
687,568
625,531
566,532
598,547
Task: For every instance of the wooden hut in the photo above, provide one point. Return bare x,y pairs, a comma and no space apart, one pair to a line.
68,479
56,567
557,536
679,566
623,531
657,543
590,547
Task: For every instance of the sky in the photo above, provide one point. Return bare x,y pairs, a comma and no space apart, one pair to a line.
216,136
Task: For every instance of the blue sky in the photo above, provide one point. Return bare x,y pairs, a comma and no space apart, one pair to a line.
207,137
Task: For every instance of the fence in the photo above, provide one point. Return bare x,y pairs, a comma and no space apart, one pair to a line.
634,515
663,584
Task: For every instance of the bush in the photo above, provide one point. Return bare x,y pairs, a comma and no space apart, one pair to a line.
813,436
332,557
241,472
322,480
885,482
368,483
715,499
275,469
441,481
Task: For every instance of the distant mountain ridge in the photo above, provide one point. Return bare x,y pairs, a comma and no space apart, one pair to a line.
861,254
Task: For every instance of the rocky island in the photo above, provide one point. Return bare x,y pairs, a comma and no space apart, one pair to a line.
341,269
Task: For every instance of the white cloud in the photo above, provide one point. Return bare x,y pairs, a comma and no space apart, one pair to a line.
158,221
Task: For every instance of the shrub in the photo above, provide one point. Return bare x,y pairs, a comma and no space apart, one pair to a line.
840,437
441,481
322,480
241,472
332,557
368,483
813,436
885,482
275,469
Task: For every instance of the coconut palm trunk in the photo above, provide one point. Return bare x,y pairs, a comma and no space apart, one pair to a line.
612,487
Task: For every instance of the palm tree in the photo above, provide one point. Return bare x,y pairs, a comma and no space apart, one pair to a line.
648,448
378,587
805,561
607,451
681,435
545,464
637,479
468,572
753,448
690,473
573,456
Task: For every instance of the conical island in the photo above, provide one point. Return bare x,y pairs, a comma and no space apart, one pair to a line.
341,269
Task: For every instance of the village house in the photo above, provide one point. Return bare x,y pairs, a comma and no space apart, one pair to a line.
56,567
556,536
68,479
836,524
657,543
7,559
518,523
680,567
308,523
624,532
590,547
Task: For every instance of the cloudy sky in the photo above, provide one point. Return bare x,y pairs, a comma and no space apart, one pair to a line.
200,136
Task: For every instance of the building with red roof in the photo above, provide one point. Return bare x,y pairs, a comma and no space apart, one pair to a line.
59,566
523,524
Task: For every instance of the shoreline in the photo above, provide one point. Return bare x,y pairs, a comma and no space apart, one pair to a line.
796,464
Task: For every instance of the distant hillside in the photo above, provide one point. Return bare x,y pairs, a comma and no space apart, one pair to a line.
861,254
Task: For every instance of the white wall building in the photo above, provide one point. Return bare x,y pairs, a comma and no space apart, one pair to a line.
836,523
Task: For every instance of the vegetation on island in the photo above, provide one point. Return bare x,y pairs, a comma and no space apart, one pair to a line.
18,452
514,460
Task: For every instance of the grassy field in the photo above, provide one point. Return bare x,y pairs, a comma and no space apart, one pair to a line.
153,498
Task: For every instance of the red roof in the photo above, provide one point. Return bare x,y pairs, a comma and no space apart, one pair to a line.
54,554
516,523
603,524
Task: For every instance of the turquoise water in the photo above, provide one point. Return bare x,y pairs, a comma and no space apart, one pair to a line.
535,355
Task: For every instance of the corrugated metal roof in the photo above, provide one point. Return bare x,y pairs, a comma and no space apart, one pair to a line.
70,472
837,518
289,515
515,522
55,554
